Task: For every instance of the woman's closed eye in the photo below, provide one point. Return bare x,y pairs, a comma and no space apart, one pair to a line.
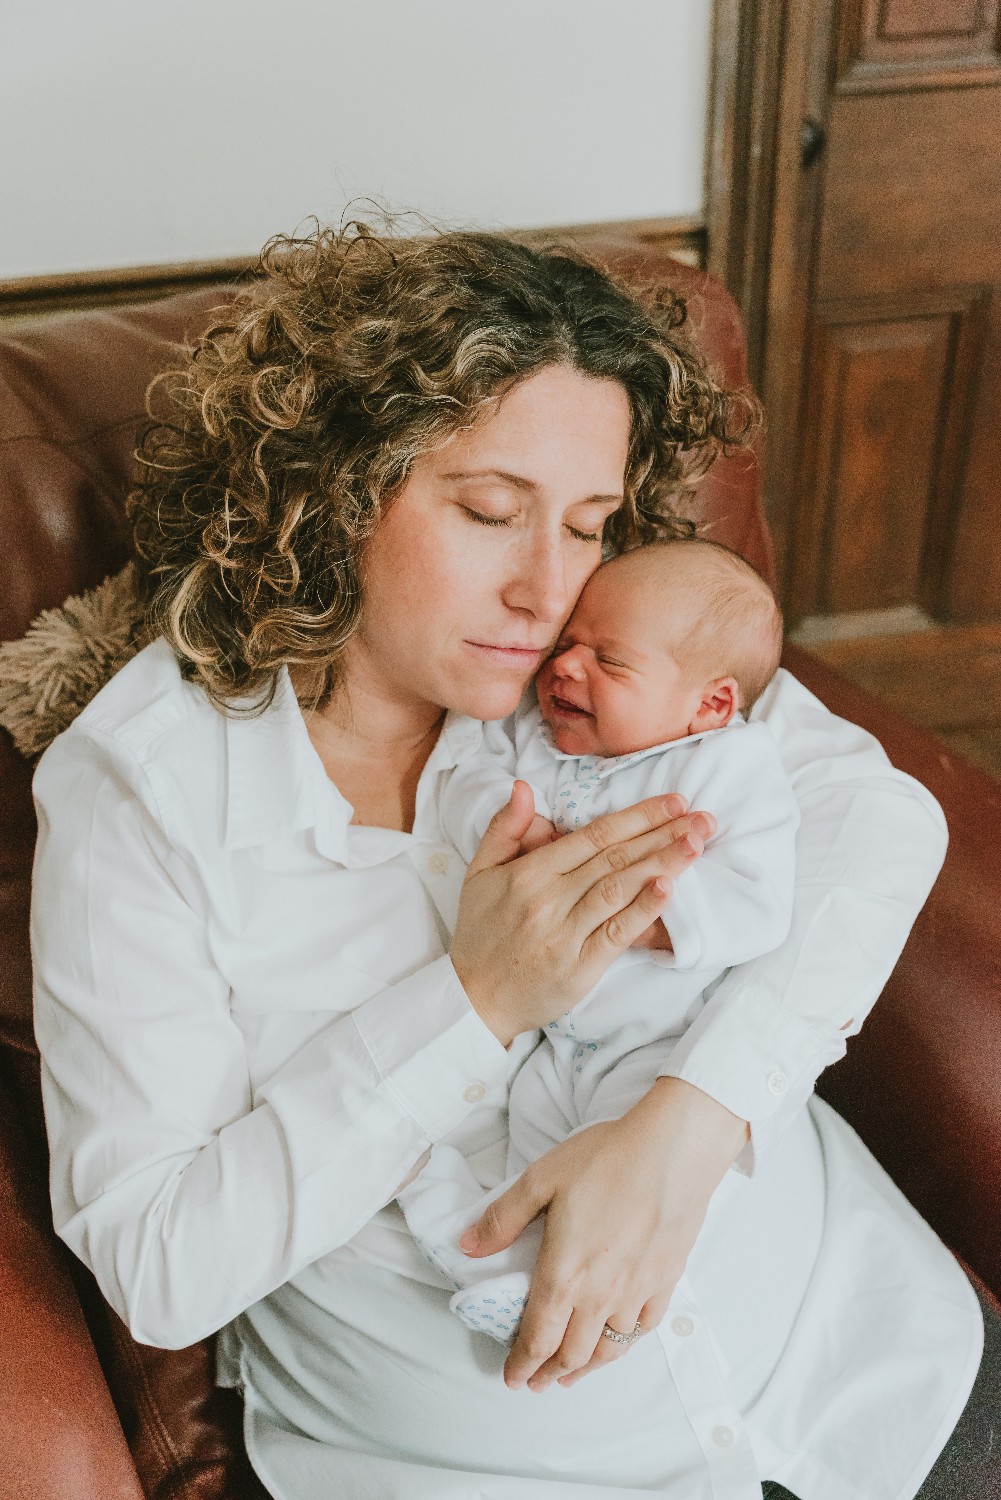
485,520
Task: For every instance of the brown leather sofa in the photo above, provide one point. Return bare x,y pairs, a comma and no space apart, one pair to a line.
87,1414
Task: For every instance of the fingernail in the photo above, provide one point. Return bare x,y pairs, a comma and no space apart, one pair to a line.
693,843
469,1240
674,805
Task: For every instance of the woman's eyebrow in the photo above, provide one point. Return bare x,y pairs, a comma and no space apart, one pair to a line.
519,482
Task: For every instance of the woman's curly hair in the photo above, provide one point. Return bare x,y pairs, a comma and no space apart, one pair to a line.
270,457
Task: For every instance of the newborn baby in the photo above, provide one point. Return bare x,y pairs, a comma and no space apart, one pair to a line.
667,648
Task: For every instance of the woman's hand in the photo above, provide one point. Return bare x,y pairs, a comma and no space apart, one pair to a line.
624,1202
536,931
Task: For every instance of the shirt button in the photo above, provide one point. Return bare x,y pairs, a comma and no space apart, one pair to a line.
474,1093
682,1327
723,1437
438,862
777,1083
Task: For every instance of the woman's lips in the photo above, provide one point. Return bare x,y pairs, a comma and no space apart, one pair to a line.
512,656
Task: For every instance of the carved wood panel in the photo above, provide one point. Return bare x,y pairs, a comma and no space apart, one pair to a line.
903,44
890,389
878,333
912,192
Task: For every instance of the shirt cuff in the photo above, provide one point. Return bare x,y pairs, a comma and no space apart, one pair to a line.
755,1057
434,1054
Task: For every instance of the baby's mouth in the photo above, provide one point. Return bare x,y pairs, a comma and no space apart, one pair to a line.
566,709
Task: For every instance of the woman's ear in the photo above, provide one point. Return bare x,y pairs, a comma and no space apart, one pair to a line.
720,701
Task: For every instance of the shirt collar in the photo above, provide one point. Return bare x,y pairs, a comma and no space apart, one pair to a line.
607,765
276,783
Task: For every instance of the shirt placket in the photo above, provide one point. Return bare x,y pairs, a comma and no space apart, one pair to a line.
716,1422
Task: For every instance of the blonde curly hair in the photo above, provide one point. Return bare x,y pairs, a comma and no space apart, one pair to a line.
272,454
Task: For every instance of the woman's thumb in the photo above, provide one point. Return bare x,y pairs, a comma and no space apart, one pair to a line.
502,1221
507,828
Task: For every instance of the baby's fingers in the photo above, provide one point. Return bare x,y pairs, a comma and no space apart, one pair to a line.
541,832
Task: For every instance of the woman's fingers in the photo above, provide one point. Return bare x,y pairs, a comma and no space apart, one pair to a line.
662,851
575,1349
584,1348
534,933
653,1312
620,907
649,1317
543,1328
611,829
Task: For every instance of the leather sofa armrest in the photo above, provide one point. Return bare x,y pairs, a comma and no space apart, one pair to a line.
60,1437
922,1082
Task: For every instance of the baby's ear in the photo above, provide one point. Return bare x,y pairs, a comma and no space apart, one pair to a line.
720,701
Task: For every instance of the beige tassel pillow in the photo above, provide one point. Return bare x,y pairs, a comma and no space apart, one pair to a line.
64,659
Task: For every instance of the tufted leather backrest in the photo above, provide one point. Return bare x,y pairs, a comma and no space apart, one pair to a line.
71,403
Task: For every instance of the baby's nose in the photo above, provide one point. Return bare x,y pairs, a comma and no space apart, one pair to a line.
569,663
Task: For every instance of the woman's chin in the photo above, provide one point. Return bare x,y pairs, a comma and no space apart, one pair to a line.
490,701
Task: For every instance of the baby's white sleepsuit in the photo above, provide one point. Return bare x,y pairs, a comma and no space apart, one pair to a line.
598,1059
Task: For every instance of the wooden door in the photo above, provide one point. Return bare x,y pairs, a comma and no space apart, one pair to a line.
859,143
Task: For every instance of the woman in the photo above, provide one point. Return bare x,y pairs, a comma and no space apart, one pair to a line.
371,502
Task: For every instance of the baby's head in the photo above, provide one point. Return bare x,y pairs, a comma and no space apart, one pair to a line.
670,640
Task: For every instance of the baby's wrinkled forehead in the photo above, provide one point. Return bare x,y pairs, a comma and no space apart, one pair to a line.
696,600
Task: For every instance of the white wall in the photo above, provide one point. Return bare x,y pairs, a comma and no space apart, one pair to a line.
145,131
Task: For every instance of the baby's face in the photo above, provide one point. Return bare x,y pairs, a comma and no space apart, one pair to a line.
612,684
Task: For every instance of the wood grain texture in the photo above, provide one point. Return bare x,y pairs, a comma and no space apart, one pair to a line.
913,192
896,45
885,444
879,360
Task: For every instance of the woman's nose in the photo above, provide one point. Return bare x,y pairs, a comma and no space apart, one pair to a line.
542,586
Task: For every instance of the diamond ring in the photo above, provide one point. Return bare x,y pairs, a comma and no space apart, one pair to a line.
621,1338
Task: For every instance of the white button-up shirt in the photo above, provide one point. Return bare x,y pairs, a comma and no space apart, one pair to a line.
250,1028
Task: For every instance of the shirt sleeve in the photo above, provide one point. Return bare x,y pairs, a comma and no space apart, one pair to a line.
188,1197
736,901
479,787
871,842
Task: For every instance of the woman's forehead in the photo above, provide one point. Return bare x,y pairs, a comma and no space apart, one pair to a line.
556,412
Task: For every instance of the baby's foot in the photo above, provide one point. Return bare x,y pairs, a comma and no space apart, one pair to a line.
494,1306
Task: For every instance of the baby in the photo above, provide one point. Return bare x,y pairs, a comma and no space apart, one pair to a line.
668,647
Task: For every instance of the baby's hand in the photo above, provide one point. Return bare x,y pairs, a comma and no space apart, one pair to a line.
540,831
655,936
